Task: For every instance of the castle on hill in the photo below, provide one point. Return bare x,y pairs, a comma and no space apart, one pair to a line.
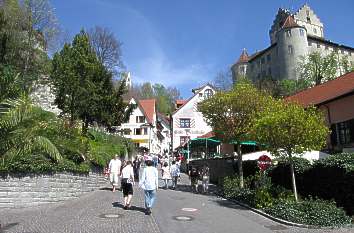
292,35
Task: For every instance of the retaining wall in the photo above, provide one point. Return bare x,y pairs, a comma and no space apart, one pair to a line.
18,191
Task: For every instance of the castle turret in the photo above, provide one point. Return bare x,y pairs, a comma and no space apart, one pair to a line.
239,69
291,45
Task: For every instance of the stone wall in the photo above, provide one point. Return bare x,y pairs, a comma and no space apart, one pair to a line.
32,190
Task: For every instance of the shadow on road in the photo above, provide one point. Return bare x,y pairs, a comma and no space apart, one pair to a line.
134,208
229,204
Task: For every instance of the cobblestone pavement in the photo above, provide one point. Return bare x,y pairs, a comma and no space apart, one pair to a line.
101,211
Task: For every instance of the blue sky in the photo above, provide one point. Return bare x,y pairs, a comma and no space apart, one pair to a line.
185,43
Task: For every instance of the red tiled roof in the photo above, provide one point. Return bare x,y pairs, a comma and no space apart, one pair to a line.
181,102
208,135
148,106
325,92
290,22
243,57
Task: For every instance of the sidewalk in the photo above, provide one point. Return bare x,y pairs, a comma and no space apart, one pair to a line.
99,211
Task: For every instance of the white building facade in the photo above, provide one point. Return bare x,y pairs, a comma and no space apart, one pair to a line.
141,127
187,121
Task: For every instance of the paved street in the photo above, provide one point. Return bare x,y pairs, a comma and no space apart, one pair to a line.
101,211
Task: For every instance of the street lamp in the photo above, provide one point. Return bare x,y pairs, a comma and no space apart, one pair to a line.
149,126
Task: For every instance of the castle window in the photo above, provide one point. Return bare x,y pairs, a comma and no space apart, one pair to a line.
262,60
290,49
269,71
315,30
318,46
308,19
342,51
268,58
302,32
326,47
288,33
307,12
310,43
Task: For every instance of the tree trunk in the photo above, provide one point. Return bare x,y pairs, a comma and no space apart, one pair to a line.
293,177
239,164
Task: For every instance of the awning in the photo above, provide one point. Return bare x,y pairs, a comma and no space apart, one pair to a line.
140,140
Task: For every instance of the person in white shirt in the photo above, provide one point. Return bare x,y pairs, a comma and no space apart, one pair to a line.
114,171
127,184
166,174
149,182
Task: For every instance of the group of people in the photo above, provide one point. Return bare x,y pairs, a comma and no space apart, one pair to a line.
128,173
125,171
199,174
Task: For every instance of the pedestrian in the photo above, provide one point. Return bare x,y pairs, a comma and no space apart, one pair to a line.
149,183
127,184
193,176
205,175
136,167
114,171
166,174
175,174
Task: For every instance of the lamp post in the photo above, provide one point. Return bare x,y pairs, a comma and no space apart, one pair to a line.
188,152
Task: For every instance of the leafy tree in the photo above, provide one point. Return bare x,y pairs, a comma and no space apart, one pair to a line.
107,48
317,69
287,129
24,36
165,97
83,86
230,114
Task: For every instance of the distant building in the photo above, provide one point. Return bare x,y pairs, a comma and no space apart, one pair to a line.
336,100
187,121
141,127
292,35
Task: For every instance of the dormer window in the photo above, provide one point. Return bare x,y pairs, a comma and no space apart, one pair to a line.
308,19
208,93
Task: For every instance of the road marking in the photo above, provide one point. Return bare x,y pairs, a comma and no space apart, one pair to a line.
189,209
110,215
183,218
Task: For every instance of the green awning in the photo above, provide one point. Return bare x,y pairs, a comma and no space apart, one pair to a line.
249,143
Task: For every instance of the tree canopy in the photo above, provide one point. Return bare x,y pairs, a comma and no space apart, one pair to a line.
83,85
287,129
230,114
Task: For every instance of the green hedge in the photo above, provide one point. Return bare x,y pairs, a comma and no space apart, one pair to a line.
310,212
328,178
331,178
38,164
280,174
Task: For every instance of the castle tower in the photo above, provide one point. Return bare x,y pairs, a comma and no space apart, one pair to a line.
278,23
307,18
291,45
239,69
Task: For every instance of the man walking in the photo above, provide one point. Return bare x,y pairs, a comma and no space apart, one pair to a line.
175,173
114,171
149,182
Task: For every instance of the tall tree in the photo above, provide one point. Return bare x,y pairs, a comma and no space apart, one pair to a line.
287,129
84,88
230,114
107,48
